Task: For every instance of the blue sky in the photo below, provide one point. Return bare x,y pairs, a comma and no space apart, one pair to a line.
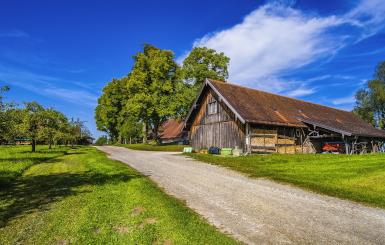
62,53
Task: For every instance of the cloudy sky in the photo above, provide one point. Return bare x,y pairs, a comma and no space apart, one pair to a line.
62,53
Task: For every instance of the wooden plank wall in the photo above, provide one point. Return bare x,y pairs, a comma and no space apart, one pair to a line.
219,130
268,139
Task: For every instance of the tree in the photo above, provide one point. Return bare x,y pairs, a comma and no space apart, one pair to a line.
370,101
77,130
204,63
102,140
32,122
152,87
108,113
54,126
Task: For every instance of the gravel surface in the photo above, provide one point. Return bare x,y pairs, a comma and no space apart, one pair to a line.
256,211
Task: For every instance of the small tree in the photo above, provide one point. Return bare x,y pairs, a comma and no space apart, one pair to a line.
33,122
54,126
370,101
102,140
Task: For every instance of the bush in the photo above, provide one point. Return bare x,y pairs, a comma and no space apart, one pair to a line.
102,140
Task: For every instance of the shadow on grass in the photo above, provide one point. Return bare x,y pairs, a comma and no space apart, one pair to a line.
32,193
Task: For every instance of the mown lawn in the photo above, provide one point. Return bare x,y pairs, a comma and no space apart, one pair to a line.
14,160
149,147
85,198
359,178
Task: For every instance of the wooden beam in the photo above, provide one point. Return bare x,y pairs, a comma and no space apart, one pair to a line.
279,145
263,147
285,137
261,135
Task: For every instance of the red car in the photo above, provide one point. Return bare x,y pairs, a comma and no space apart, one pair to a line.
333,147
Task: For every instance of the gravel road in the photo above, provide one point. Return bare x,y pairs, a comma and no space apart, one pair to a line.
256,211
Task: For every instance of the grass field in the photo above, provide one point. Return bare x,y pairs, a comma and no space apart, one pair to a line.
359,178
149,147
85,198
16,159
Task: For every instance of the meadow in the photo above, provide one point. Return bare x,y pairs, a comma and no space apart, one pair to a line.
359,178
14,160
82,197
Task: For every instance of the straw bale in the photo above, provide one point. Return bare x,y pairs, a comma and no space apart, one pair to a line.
290,149
263,131
281,141
270,141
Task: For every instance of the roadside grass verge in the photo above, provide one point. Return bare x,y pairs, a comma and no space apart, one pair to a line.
85,198
360,178
16,159
149,147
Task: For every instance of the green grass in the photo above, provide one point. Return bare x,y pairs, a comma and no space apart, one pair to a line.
359,178
149,147
85,198
16,159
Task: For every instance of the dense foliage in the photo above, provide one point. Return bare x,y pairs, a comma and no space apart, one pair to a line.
370,101
156,89
35,123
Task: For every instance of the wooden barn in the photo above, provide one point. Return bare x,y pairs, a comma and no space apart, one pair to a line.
226,115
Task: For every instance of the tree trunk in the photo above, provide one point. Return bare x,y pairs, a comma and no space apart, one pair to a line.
120,139
125,141
155,134
144,133
49,145
130,140
33,145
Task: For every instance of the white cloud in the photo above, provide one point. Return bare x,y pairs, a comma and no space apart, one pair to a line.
13,33
80,97
345,100
277,39
50,87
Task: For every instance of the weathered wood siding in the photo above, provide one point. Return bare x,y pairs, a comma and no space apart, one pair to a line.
268,139
220,129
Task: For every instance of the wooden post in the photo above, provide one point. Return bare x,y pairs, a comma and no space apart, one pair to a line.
277,140
264,138
301,143
284,134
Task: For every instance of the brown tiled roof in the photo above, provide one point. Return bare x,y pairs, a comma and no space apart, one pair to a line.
262,107
171,129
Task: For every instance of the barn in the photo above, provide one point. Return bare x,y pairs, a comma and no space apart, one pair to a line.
225,115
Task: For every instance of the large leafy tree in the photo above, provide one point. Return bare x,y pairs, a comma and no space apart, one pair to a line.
204,63
108,112
152,86
370,101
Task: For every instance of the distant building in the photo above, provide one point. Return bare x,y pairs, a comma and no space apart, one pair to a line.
170,133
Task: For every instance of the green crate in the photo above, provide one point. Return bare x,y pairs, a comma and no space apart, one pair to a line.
227,151
187,149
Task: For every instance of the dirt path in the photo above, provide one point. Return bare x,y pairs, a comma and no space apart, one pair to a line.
257,211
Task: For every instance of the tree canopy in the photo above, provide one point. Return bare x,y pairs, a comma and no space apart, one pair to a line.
110,105
152,86
204,63
155,89
370,101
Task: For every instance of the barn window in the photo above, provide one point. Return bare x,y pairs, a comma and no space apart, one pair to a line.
213,108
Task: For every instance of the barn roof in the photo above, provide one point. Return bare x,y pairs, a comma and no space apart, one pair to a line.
171,129
254,106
